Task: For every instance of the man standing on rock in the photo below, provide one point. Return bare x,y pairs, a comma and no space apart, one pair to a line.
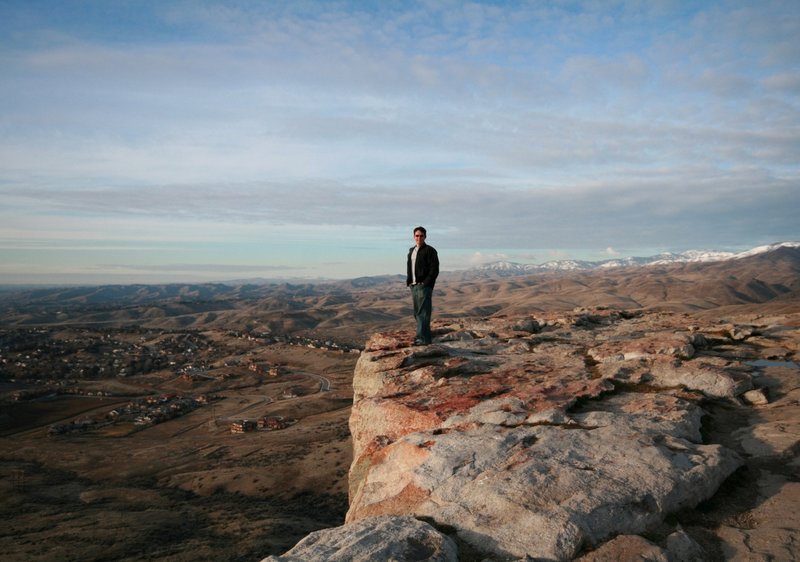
422,269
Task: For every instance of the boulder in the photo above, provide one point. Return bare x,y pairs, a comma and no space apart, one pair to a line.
755,397
400,539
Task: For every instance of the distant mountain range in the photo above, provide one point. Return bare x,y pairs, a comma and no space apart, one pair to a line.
511,269
287,295
767,279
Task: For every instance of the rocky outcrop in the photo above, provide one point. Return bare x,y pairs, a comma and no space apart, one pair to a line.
565,437
538,437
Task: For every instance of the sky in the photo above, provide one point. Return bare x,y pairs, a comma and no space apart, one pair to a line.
178,141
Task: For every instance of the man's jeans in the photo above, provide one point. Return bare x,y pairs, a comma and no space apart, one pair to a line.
421,297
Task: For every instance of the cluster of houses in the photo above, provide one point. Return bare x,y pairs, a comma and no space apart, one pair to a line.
52,362
269,337
78,424
265,369
195,372
56,388
149,410
91,354
34,355
266,423
152,410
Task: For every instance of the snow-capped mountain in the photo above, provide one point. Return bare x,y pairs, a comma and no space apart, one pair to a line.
768,248
508,269
690,256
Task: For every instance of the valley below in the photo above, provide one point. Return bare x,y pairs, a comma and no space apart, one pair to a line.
115,469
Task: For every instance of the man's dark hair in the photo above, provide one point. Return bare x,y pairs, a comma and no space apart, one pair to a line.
421,229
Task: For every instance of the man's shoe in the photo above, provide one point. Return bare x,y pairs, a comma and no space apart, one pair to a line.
419,342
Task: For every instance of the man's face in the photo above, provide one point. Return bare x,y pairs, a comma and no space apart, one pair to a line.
419,238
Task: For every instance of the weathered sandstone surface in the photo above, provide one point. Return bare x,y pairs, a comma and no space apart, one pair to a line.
563,436
372,540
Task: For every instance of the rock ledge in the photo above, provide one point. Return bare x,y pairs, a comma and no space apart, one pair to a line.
549,438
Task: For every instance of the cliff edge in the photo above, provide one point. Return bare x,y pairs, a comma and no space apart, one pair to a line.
548,438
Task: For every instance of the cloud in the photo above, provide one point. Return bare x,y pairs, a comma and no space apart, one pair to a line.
204,268
290,91
480,214
479,258
785,82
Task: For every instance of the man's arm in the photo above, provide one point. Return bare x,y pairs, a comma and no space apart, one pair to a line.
433,268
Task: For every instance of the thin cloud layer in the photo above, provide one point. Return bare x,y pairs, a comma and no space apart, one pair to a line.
533,127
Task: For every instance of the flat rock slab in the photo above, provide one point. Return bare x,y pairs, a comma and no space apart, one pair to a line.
770,530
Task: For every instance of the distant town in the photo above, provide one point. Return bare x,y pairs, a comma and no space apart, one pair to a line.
45,354
136,364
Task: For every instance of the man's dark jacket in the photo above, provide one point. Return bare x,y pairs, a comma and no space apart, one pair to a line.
427,266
